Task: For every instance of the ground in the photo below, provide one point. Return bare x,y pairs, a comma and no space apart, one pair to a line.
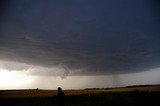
122,96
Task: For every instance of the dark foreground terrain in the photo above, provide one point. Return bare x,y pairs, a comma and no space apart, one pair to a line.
130,96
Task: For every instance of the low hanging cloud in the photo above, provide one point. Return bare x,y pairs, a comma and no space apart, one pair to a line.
13,66
32,70
86,37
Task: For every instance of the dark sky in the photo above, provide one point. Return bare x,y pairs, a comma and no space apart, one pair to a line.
96,36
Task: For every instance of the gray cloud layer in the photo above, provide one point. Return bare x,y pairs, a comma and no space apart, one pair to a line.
99,37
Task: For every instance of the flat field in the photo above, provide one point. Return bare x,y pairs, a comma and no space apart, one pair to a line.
123,96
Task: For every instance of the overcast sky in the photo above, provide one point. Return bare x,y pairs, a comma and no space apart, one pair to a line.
97,43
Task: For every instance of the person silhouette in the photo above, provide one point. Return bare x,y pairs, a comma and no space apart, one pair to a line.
60,97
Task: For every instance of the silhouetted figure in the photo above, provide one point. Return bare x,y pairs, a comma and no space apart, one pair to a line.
60,97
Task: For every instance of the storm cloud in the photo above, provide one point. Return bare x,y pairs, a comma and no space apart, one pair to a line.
89,37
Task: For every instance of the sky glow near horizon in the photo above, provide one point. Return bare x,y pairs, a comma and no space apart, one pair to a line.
28,79
79,43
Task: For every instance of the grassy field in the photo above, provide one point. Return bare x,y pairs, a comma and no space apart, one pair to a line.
128,96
